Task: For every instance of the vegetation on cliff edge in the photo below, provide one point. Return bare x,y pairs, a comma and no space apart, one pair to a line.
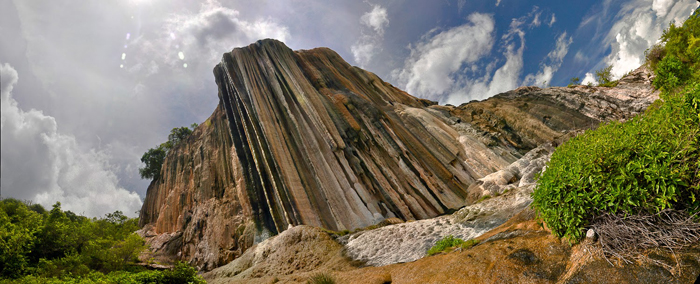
642,166
154,157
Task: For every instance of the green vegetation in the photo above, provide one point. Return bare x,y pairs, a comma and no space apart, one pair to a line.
56,246
573,82
469,244
645,165
604,77
154,157
321,278
444,244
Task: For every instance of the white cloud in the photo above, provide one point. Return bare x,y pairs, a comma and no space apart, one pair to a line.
640,25
41,164
589,79
580,57
432,68
201,38
551,63
460,5
377,19
498,2
552,21
504,79
536,21
661,7
369,43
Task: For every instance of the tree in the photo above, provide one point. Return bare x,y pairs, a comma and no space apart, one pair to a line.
153,159
178,134
18,230
604,77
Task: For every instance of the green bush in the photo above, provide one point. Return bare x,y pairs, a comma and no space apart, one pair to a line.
39,246
181,274
654,55
444,244
670,73
469,244
646,164
573,82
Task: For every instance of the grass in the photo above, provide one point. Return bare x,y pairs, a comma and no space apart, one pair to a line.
321,278
444,244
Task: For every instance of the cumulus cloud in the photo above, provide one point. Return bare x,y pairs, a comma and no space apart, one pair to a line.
640,25
551,63
201,38
504,78
377,19
589,79
432,68
498,2
41,164
369,42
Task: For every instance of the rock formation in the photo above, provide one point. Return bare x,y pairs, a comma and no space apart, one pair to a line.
518,251
304,138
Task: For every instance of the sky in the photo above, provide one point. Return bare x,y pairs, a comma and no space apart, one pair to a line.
89,85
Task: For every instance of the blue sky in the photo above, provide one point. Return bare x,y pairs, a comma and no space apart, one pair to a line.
89,85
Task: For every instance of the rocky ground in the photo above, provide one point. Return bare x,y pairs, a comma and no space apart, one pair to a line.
519,251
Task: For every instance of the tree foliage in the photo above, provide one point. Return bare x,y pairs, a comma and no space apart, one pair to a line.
56,246
605,78
154,157
574,81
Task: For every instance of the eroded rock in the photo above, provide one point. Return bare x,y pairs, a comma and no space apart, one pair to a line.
304,138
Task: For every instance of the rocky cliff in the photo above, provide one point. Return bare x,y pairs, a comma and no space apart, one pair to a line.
304,138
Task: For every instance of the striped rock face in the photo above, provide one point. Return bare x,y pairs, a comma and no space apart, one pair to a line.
302,137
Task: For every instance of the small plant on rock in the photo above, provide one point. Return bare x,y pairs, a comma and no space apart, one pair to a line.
321,278
444,244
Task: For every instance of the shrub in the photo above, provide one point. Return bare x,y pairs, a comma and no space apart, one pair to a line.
654,55
671,73
573,82
321,278
182,273
469,244
647,164
444,244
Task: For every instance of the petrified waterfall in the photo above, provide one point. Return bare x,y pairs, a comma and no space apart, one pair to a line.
302,137
325,144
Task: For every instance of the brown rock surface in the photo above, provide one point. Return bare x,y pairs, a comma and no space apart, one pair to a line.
519,251
304,138
199,210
